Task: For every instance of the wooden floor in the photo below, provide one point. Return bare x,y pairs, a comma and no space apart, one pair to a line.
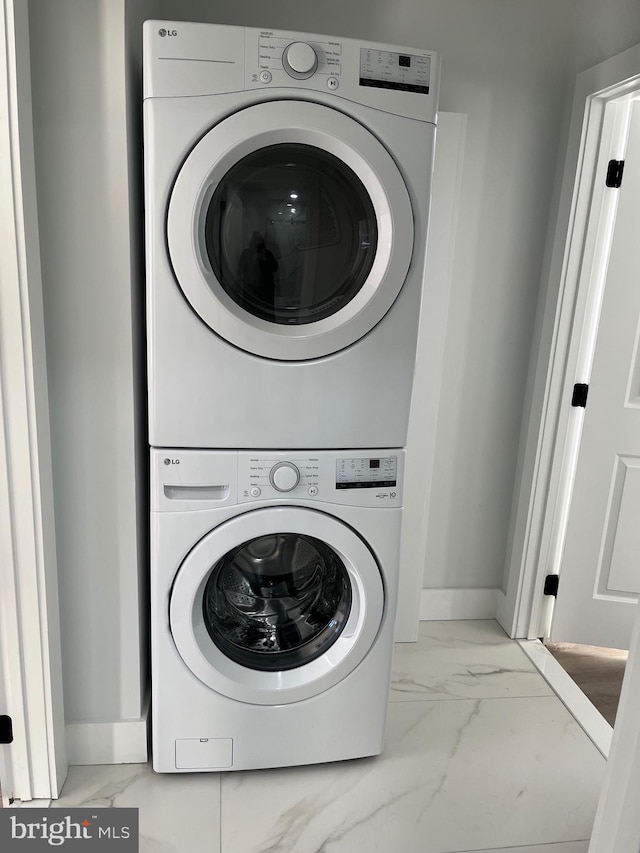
597,671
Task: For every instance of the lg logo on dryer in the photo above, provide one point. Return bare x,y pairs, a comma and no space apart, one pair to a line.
169,461
162,32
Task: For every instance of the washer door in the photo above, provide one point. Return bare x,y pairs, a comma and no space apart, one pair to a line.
290,230
276,605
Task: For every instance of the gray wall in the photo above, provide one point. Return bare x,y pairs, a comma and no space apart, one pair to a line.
78,67
510,66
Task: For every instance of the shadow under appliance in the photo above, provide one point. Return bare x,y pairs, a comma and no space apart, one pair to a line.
287,198
273,594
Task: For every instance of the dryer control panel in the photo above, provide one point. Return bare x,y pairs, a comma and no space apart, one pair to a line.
400,80
300,60
187,59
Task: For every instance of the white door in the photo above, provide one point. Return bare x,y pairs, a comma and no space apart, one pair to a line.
290,230
600,566
276,605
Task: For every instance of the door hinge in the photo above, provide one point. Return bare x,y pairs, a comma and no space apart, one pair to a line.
551,585
614,173
580,392
6,729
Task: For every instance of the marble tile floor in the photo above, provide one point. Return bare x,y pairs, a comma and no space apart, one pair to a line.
481,756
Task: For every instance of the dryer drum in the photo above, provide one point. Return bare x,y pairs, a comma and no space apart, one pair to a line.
277,602
291,233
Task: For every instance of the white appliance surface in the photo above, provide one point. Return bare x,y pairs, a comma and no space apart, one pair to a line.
287,198
273,592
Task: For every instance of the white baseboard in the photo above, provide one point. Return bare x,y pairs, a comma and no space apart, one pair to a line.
503,616
443,604
121,742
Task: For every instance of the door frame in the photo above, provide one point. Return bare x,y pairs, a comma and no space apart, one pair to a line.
34,766
566,336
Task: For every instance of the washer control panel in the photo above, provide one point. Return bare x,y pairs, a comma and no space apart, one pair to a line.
356,478
184,480
284,476
361,473
269,476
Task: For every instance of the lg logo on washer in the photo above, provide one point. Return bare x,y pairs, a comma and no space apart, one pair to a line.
169,461
162,32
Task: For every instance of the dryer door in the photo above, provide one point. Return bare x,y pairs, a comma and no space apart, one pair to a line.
276,605
290,230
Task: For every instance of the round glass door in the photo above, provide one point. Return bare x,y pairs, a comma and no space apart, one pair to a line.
276,605
290,230
291,234
277,602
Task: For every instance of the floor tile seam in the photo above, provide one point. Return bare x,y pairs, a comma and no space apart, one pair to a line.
550,695
542,847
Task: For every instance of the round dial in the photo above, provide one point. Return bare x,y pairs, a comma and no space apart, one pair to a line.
300,60
284,476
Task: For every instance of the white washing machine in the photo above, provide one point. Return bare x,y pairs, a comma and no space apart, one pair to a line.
273,595
287,199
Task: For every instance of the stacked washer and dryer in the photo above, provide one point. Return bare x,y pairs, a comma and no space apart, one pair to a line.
287,197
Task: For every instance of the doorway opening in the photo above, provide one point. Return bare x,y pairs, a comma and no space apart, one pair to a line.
606,98
597,671
605,102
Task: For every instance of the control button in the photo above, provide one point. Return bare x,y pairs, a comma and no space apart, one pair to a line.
300,60
284,476
256,492
265,77
333,83
313,491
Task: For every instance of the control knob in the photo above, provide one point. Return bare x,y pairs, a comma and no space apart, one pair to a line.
284,476
300,60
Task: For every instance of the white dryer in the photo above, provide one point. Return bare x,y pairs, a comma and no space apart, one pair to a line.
287,198
273,594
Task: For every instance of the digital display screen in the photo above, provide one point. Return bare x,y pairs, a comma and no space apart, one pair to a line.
384,69
359,473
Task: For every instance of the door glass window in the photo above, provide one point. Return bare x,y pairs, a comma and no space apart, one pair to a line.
277,601
291,233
